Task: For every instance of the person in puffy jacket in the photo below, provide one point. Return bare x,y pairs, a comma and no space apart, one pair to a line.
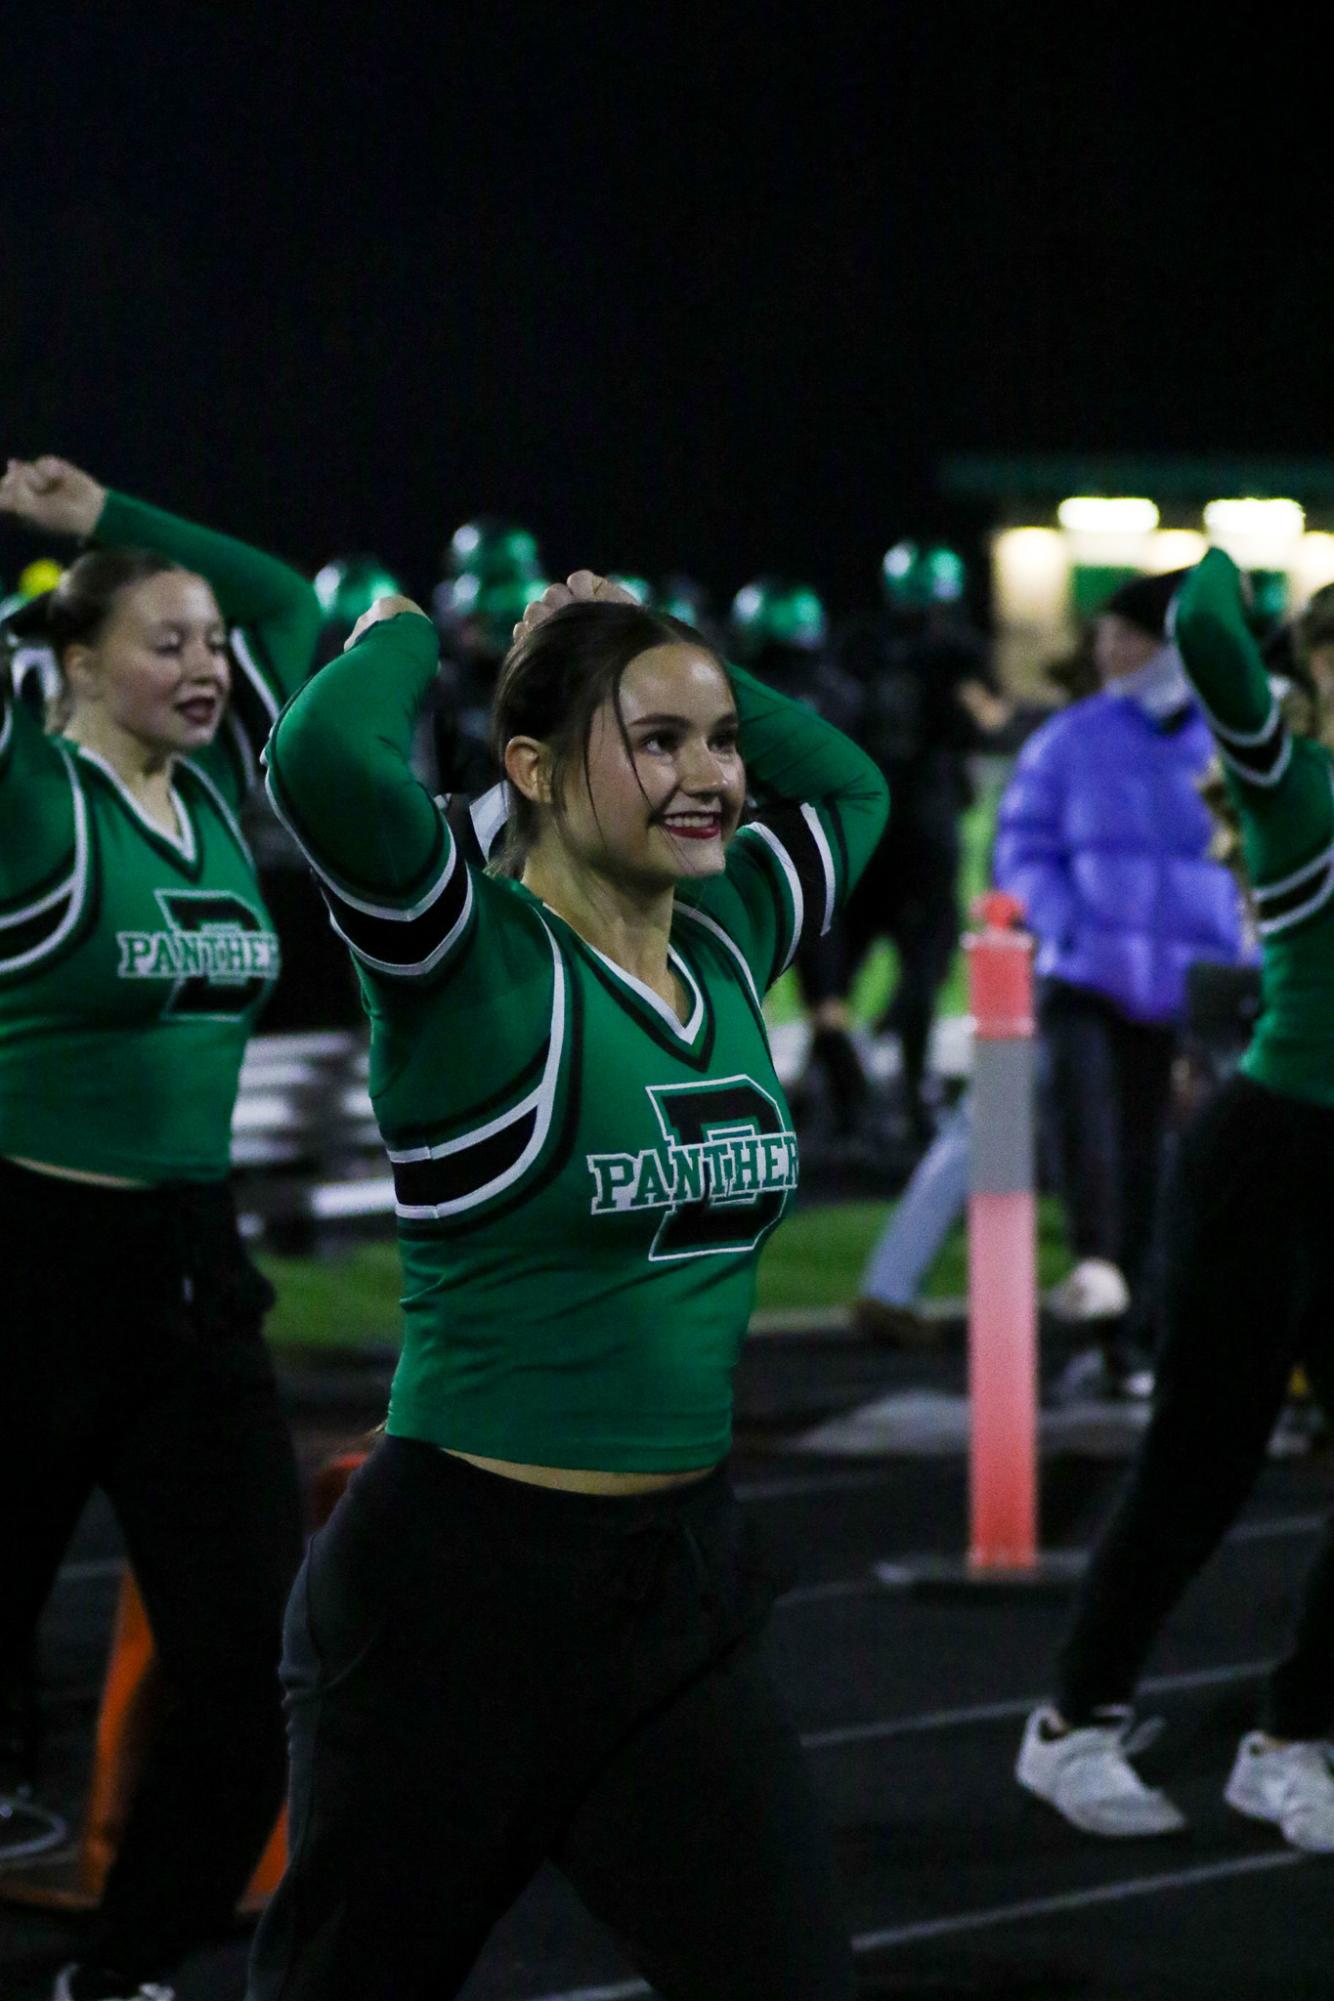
1103,836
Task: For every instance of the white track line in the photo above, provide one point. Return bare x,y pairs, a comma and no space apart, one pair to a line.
1047,1907
1002,1914
1019,1705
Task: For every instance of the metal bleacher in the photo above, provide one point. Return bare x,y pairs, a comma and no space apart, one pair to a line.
305,1148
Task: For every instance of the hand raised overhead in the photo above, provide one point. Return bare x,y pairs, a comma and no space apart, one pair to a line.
580,587
385,607
51,494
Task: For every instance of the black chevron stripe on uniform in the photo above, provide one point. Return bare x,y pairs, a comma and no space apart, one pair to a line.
23,935
458,812
556,1153
1302,893
792,830
403,944
452,1176
405,1138
10,906
1259,761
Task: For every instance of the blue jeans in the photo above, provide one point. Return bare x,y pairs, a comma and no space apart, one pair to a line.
932,1203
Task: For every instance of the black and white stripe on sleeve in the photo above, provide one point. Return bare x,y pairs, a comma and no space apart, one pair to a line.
804,872
407,940
1260,756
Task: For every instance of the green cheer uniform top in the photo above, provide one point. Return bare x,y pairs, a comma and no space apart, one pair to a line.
583,1180
1283,790
132,963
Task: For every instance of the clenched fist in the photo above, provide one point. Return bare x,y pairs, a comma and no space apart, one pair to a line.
51,494
386,607
580,587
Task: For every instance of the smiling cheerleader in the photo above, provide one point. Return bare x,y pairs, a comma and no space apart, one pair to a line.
135,955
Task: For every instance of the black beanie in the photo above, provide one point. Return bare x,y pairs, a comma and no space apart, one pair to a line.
1143,601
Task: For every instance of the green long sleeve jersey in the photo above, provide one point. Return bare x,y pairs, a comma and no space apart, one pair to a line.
132,965
583,1180
1283,790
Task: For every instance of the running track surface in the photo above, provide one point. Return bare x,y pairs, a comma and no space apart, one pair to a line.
957,1884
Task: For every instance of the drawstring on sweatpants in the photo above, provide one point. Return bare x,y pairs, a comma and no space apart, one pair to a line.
646,1548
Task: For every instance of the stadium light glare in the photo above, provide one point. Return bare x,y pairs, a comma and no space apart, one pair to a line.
1174,549
1256,532
1107,514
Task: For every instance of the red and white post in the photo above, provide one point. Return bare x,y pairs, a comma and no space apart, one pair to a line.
1002,1245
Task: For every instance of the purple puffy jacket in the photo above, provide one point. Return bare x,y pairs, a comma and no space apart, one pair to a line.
1103,837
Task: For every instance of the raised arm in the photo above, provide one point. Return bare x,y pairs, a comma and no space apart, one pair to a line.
44,852
271,610
1224,666
340,778
821,807
1280,786
43,833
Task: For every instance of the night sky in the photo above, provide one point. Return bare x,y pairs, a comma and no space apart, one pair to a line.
678,291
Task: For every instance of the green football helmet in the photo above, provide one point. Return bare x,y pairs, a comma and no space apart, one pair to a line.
349,586
775,611
918,575
679,596
493,551
492,609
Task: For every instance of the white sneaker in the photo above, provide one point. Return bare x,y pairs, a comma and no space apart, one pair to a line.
148,1990
1291,1785
1095,1290
1087,1776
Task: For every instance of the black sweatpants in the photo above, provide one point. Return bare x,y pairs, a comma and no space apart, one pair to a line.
1249,1293
131,1359
481,1675
1107,1088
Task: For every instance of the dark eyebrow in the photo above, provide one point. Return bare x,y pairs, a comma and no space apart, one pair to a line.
684,722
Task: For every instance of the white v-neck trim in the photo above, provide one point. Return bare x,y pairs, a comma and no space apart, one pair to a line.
686,1031
183,840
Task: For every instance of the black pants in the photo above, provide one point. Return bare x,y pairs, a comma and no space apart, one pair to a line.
1108,1087
481,1675
909,894
1249,1254
132,1360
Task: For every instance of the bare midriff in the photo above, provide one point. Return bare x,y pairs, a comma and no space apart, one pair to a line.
582,1480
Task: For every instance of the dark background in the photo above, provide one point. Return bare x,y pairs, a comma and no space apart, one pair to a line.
680,288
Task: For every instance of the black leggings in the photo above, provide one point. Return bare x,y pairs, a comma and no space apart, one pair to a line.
482,1675
1249,1293
1108,1089
132,1360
